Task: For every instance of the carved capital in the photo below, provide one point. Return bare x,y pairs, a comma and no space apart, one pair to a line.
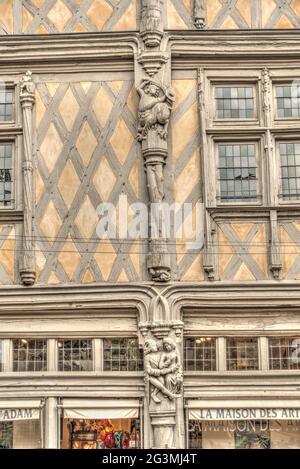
151,25
152,61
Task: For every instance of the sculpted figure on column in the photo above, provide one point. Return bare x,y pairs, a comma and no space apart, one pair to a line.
155,106
163,370
151,22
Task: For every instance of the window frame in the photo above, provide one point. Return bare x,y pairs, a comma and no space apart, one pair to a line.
278,140
74,339
238,140
230,120
284,81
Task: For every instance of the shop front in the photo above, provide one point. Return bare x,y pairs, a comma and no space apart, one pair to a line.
104,424
21,424
243,427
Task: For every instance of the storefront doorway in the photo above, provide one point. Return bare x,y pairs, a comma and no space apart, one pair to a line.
20,428
100,424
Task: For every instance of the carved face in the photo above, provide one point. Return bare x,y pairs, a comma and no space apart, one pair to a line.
168,345
152,89
150,346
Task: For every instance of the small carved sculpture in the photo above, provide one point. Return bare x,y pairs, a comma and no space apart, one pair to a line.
151,25
155,106
199,14
163,370
27,86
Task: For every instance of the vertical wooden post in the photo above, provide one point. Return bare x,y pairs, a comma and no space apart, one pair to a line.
27,260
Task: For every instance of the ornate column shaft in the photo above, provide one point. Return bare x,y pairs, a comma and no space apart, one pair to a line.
27,260
156,98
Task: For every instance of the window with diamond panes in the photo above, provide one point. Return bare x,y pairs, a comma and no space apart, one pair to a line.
6,179
234,102
242,353
75,355
200,354
29,355
237,172
290,170
288,101
122,355
6,104
284,353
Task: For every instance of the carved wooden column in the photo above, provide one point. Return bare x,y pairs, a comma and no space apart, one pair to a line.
156,98
275,254
27,259
163,374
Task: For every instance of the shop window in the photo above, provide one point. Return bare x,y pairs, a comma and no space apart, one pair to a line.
75,355
237,172
290,170
195,434
122,355
234,102
121,433
284,353
252,438
20,434
288,100
29,355
6,173
6,104
242,353
200,354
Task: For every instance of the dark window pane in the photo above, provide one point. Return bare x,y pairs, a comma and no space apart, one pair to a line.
242,353
288,100
200,354
122,355
75,355
29,355
234,102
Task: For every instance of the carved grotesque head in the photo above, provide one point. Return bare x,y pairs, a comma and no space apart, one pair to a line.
152,89
199,22
168,345
150,346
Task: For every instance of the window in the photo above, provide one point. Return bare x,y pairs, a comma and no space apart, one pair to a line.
237,172
284,353
122,355
6,104
6,179
288,100
290,170
242,353
234,102
29,355
200,354
75,355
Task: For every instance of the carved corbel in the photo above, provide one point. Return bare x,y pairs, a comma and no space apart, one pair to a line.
199,14
151,26
27,260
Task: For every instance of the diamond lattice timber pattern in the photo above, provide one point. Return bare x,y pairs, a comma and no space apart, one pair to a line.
67,16
85,157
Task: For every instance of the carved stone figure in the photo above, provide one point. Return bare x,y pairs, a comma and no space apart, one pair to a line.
155,106
199,14
163,370
151,25
27,86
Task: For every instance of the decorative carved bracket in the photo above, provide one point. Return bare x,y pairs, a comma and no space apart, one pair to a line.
152,61
199,14
27,260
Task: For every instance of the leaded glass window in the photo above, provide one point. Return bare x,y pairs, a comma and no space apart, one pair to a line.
122,355
6,177
237,172
75,355
288,100
290,170
200,354
242,353
6,104
29,355
284,353
234,102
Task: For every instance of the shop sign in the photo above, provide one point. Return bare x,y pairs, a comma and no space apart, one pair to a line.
197,426
245,414
18,414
